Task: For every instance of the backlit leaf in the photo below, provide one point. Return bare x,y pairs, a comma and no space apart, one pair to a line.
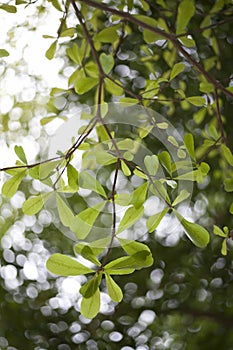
107,35
65,213
11,186
181,197
114,290
139,195
19,151
131,216
113,88
217,231
72,175
196,233
34,204
63,265
89,182
154,220
136,261
83,222
224,247
107,62
85,84
227,154
87,253
189,144
132,247
196,100
125,169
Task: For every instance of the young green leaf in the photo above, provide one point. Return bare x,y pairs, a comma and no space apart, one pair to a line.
64,265
165,159
186,10
189,144
11,186
181,197
34,204
125,169
152,164
90,287
4,53
90,306
65,213
114,290
217,231
72,175
89,182
132,215
139,195
82,223
85,84
19,151
154,220
51,50
231,208
227,154
107,62
224,247
177,69
196,233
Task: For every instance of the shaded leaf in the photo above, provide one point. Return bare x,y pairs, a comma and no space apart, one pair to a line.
177,69
107,35
132,247
3,53
87,253
8,8
63,265
227,154
152,164
90,287
189,144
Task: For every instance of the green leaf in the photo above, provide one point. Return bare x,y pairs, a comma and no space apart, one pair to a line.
228,185
154,220
107,35
128,101
4,53
114,290
132,247
91,286
89,182
181,197
87,253
224,247
177,69
165,159
186,10
90,306
125,169
42,171
196,233
56,4
139,195
139,172
72,175
105,158
136,261
159,190
231,208
85,84
107,62
83,222
162,125
131,216
11,186
65,213
19,151
217,231
96,247
34,204
8,8
227,154
189,144
68,32
196,100
63,265
152,164
75,54
51,50
113,88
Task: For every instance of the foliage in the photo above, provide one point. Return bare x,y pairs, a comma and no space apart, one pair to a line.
151,82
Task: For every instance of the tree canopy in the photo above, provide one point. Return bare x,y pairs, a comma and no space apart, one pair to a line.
116,207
